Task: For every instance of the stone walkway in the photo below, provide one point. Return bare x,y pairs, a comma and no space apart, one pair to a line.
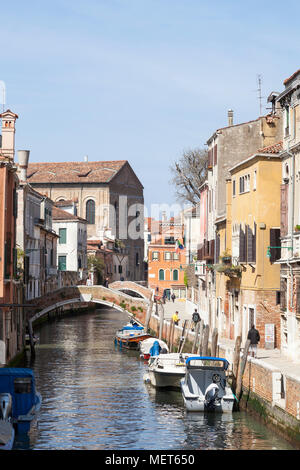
272,357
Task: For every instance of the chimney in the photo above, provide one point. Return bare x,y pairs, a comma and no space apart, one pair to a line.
230,117
86,158
23,157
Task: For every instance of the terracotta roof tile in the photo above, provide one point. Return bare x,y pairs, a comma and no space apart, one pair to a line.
59,214
275,148
74,172
287,80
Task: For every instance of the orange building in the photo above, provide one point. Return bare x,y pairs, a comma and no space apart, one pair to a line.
11,316
166,262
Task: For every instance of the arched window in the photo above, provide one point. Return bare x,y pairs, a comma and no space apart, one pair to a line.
90,211
161,275
175,275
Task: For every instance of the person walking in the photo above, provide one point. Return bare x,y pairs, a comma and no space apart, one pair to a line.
175,318
173,297
253,335
195,318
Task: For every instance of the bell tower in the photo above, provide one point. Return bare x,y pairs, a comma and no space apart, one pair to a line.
7,149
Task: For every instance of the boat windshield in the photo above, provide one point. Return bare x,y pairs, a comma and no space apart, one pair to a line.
207,363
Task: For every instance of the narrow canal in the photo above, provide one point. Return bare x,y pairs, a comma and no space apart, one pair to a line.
94,397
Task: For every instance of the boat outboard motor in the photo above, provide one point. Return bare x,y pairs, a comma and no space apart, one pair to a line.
5,406
211,395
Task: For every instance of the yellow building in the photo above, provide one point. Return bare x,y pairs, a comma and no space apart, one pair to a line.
247,276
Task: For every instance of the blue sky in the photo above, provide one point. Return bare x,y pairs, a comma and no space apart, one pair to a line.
140,80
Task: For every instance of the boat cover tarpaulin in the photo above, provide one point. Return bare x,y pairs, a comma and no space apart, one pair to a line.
134,327
155,350
21,402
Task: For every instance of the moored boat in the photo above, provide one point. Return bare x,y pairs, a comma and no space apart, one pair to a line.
166,370
130,336
204,387
19,383
146,347
7,432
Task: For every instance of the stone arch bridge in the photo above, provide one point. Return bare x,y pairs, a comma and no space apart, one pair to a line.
113,297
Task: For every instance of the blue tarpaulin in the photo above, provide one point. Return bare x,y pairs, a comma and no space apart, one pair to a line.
155,350
21,402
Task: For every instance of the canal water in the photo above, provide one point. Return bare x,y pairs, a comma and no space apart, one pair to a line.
94,397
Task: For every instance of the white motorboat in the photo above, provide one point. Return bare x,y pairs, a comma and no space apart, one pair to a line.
204,387
166,370
130,335
148,344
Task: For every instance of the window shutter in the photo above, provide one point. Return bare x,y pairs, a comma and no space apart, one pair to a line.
242,246
254,245
26,269
251,244
215,155
284,209
217,248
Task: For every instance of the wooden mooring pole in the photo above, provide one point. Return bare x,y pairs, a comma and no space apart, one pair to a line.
214,342
205,340
199,350
236,362
196,336
30,332
170,334
241,370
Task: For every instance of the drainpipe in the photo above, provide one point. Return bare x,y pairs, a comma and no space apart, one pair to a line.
292,223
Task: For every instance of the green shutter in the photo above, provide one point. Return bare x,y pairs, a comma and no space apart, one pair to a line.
62,263
62,236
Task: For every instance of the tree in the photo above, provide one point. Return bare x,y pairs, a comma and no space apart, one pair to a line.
189,173
96,265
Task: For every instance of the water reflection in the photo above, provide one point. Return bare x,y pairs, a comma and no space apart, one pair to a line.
94,397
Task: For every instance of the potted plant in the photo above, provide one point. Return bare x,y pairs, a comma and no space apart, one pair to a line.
226,257
297,228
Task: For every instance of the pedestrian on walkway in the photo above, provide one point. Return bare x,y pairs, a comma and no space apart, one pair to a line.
173,297
196,318
254,337
175,318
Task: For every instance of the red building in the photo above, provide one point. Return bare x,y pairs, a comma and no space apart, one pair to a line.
11,316
166,262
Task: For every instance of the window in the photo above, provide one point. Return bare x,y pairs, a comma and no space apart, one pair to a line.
62,263
62,236
233,187
167,256
155,255
90,211
175,275
254,180
275,244
176,256
169,241
244,184
287,121
161,275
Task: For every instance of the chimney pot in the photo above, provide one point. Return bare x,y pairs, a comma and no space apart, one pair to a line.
23,157
230,117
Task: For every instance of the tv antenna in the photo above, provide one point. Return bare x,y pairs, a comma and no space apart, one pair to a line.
2,96
260,97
